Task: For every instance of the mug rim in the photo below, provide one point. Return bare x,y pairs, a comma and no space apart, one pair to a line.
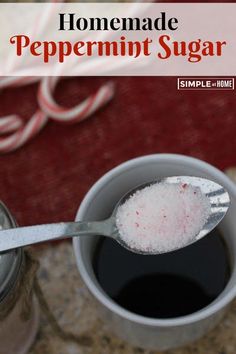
106,300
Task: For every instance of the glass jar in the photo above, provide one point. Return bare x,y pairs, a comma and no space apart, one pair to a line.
19,313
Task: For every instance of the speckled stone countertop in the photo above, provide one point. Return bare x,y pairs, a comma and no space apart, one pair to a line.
75,310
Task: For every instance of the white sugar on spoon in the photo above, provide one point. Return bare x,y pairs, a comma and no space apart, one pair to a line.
169,214
162,217
153,218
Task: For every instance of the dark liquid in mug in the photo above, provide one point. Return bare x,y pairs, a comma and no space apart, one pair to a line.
163,286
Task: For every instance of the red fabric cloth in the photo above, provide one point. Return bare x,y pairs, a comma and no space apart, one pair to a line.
46,180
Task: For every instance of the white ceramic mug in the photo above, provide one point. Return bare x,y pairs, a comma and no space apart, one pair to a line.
98,204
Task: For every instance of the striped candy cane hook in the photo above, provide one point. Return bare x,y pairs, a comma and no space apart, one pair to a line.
80,111
21,133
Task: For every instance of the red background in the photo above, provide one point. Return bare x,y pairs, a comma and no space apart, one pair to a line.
46,180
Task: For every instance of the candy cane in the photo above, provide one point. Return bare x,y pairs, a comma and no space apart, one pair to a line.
10,124
14,81
24,133
19,132
77,113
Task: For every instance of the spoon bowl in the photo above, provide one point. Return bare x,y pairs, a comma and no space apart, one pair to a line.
218,198
219,203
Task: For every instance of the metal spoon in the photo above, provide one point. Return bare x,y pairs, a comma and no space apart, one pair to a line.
23,236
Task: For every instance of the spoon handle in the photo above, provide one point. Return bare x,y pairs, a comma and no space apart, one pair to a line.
29,235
